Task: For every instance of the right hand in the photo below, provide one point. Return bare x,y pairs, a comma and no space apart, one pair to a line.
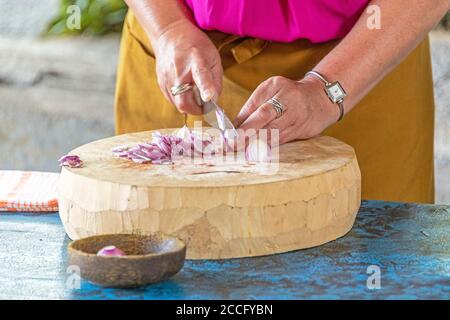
185,54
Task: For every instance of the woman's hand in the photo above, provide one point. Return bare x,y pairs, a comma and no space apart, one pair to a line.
307,109
184,54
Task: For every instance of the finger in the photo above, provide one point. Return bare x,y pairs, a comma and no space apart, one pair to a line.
275,128
217,71
262,93
289,134
294,132
162,83
256,121
178,74
197,98
286,120
260,118
203,78
167,95
270,133
186,103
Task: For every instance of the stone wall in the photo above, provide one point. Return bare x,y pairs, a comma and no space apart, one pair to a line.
54,96
26,18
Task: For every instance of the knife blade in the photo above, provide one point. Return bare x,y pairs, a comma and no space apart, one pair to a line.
217,118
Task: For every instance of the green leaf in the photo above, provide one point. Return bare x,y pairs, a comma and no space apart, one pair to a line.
98,17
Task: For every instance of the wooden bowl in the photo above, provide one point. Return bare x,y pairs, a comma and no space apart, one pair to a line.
148,259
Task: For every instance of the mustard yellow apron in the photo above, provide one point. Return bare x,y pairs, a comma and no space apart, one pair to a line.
391,129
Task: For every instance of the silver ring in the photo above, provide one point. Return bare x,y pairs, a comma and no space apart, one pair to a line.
179,89
277,105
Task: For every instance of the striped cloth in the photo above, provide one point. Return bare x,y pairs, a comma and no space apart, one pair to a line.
27,191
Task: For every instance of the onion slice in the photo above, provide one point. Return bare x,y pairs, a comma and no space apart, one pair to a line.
258,151
71,161
110,251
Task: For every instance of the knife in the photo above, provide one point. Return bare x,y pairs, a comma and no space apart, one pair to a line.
216,117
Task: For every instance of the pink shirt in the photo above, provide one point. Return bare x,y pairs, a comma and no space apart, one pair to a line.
279,20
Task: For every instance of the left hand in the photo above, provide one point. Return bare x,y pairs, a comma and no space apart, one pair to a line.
307,109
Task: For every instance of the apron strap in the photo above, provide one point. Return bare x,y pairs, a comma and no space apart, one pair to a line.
243,49
248,48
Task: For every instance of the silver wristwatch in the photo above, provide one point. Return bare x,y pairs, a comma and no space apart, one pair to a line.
334,91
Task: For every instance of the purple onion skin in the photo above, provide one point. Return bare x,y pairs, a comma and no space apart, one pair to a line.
71,161
110,251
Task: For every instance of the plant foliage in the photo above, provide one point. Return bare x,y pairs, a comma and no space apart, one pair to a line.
98,17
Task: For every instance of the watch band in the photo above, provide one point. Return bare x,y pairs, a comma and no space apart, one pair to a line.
318,75
328,85
341,109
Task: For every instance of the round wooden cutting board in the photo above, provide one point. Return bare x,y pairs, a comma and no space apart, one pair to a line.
221,211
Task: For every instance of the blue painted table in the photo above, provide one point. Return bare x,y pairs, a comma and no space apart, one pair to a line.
408,244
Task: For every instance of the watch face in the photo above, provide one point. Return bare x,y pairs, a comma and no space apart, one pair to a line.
336,92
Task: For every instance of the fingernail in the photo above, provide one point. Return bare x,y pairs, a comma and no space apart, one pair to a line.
207,95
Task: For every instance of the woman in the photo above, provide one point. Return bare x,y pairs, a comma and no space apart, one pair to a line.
244,52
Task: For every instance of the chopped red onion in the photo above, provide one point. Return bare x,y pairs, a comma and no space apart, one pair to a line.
164,149
71,161
110,251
